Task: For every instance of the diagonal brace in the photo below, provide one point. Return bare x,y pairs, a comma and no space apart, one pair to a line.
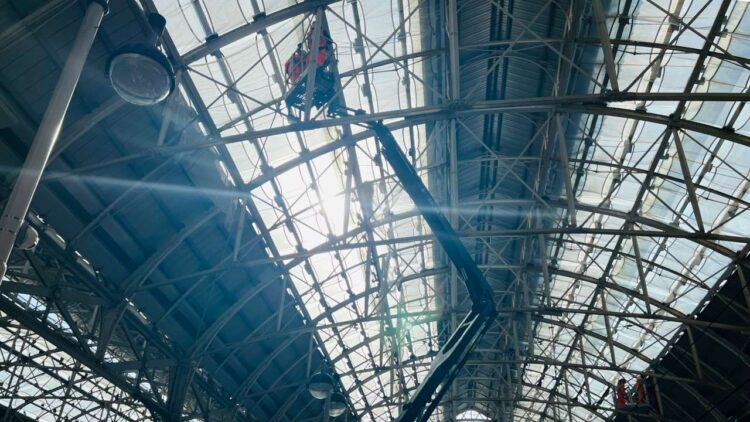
453,354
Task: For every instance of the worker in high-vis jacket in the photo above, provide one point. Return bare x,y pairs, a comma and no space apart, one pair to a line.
293,66
620,394
640,391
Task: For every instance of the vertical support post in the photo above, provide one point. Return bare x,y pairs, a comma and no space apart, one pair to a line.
308,371
454,91
168,113
585,370
694,352
454,94
689,185
277,74
609,57
566,172
641,273
452,14
608,328
567,402
48,132
658,396
454,216
312,69
542,246
282,302
240,216
743,284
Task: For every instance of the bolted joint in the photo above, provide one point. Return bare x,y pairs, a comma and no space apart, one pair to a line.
209,39
366,90
359,46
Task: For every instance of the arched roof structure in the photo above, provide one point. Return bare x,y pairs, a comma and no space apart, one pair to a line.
201,258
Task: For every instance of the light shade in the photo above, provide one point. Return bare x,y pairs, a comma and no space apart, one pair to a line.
27,237
141,74
337,406
321,385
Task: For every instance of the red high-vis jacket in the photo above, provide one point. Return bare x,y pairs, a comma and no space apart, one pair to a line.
293,66
620,396
640,390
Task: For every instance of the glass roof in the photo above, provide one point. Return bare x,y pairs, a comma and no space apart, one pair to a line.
641,189
645,278
376,305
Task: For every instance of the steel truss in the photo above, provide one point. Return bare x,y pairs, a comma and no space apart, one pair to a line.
59,299
53,303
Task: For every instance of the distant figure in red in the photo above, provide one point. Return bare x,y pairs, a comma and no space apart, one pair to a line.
640,390
323,48
301,59
620,394
293,66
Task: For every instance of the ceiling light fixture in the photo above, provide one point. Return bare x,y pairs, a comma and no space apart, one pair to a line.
321,385
140,73
337,406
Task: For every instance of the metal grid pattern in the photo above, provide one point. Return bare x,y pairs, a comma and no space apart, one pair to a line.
367,287
591,153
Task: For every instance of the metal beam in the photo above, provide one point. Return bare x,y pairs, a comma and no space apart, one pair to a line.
452,355
26,26
567,179
688,179
86,358
84,124
595,104
260,23
312,67
156,341
603,32
139,276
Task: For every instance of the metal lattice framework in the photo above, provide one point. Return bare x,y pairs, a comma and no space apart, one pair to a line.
590,154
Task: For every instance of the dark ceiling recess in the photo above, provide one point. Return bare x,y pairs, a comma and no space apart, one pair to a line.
12,416
716,354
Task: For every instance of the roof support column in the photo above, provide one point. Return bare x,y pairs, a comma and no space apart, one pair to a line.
689,185
609,59
48,132
659,405
743,285
641,272
454,94
694,352
312,70
569,193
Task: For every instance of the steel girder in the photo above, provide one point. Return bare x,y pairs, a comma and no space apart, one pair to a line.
650,174
593,104
661,230
131,327
600,210
209,333
202,114
67,311
259,24
583,108
612,367
142,273
573,230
